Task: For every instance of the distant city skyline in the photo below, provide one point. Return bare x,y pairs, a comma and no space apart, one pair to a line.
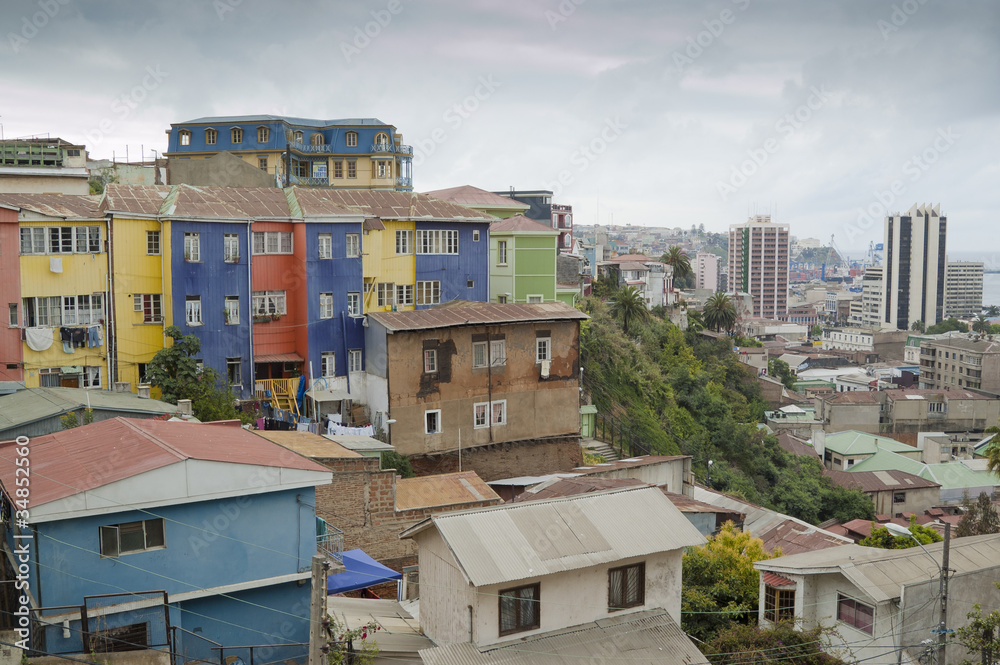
824,115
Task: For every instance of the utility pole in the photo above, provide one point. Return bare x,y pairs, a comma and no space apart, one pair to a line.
317,610
943,635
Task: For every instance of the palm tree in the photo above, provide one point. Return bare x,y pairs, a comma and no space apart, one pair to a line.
719,312
981,324
676,257
992,311
695,320
628,307
993,456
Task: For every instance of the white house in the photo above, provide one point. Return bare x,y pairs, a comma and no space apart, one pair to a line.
882,603
605,564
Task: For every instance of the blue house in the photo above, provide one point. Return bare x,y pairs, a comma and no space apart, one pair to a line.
167,535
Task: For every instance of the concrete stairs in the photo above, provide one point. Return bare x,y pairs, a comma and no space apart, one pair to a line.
595,447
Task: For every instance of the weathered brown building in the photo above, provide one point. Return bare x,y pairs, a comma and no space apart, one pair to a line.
500,382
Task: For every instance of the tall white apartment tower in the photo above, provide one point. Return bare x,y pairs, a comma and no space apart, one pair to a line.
915,267
758,265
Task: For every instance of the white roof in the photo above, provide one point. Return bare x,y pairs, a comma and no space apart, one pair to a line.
523,540
791,408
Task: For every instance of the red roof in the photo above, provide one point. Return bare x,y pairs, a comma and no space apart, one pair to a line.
468,195
83,458
771,579
520,223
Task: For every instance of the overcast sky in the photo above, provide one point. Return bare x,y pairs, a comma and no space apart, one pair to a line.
654,113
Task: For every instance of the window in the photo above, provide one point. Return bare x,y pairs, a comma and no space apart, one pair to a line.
263,135
297,137
479,358
42,311
153,243
231,248
498,352
404,242
352,169
519,609
50,377
91,376
432,422
534,298
185,137
899,497
381,141
82,310
338,169
470,283
262,163
88,239
404,294
236,135
498,412
149,305
380,169
429,293
232,310
329,363
385,295
475,235
779,603
856,614
352,139
354,304
131,537
317,139
12,315
935,407
192,247
626,586
272,242
354,361
268,302
353,245
543,349
234,371
430,361
192,310
479,416
326,305
211,136
33,240
501,252
142,369
61,240
325,241
502,300
437,242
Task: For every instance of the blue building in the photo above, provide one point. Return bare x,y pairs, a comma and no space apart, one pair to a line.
352,153
169,535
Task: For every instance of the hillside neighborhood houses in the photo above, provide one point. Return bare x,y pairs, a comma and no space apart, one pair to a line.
412,466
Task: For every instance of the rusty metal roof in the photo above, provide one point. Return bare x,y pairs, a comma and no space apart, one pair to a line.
384,205
136,199
308,444
878,481
627,463
473,197
446,489
465,313
517,541
557,487
771,579
67,206
83,458
519,223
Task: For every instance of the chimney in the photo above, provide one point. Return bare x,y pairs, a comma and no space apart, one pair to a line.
184,405
819,442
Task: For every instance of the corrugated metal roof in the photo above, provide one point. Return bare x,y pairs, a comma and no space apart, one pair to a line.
278,358
67,206
462,313
446,489
83,458
882,573
853,442
307,444
137,199
473,197
385,205
649,637
531,539
31,404
519,223
878,481
627,463
776,580
555,487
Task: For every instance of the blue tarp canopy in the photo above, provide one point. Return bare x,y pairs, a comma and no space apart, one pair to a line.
362,571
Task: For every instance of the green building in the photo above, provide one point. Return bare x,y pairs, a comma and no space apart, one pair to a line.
523,262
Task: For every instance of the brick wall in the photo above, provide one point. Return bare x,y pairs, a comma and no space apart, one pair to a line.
507,460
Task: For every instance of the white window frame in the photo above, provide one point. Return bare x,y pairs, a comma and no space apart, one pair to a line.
539,343
151,301
404,294
386,294
326,305
324,243
87,309
429,292
534,298
475,235
498,352
192,247
354,303
269,302
355,361
501,252
430,357
272,242
152,243
498,407
34,240
231,247
238,364
184,136
436,241
232,311
89,237
91,376
42,311
404,241
483,349
437,415
353,245
480,415
328,364
192,310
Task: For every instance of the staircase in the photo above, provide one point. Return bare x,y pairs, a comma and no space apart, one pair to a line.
595,447
279,393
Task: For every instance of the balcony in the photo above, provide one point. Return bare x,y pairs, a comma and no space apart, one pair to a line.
308,182
329,540
386,148
302,147
404,182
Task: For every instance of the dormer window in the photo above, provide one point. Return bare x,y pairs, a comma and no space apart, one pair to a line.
263,134
185,137
316,139
236,135
297,137
381,141
211,136
352,139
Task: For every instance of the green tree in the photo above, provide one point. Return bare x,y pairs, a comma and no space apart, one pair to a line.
980,517
981,325
719,583
779,369
881,538
401,463
629,307
993,455
947,326
981,636
70,420
780,644
816,331
603,287
174,370
992,311
695,320
719,312
680,261
917,326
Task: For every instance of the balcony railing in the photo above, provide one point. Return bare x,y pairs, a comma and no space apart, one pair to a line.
303,147
404,181
393,149
329,540
309,182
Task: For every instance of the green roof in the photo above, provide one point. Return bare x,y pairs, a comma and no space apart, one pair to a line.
32,404
853,442
950,475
